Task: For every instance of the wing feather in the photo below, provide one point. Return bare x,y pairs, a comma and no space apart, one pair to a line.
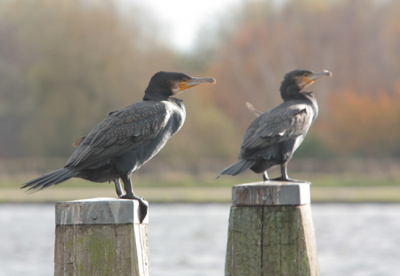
121,131
277,125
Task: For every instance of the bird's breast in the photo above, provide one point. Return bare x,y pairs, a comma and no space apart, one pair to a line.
177,117
174,121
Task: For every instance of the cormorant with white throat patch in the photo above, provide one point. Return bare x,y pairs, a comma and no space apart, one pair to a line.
127,138
273,136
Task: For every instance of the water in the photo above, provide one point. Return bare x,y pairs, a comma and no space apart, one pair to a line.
190,239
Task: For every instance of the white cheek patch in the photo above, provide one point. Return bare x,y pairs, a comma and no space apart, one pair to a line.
175,90
175,87
299,80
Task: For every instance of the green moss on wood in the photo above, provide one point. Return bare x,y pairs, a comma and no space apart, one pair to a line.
271,240
245,233
97,250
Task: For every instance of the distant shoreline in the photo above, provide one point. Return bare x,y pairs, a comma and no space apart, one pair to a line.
356,194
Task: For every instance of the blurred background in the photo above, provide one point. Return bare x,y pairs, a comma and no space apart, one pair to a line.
64,65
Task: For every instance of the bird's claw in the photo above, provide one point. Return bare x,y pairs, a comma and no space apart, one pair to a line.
143,206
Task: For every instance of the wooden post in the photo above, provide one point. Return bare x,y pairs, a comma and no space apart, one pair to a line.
100,236
271,231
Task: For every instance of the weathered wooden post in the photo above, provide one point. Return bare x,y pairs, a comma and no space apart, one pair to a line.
271,231
100,236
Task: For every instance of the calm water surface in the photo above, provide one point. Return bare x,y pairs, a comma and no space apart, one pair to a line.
190,239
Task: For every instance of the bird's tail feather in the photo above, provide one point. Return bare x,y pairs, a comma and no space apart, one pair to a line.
49,179
238,167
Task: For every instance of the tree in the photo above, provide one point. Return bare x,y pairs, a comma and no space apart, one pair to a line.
358,41
64,67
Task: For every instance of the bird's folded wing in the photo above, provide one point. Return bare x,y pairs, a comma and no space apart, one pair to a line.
123,130
275,126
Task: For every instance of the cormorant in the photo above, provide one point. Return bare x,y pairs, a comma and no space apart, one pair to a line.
127,138
273,136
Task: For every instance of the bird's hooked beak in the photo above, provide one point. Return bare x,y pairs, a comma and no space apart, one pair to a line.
315,76
189,83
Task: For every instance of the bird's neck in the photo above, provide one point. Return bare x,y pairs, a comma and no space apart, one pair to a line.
156,94
291,93
178,102
314,104
294,93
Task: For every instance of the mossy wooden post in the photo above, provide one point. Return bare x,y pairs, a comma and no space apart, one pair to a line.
100,236
271,231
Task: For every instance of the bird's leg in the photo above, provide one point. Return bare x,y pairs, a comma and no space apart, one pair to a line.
284,176
265,176
118,187
131,195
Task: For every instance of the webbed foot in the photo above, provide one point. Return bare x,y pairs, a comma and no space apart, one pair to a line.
284,176
281,178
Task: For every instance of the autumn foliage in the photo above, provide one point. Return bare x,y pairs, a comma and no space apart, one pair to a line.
358,41
364,125
65,64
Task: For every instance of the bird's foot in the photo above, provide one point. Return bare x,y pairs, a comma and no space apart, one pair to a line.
143,206
286,179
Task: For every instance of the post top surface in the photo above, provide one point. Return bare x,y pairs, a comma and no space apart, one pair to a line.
273,183
100,210
271,193
96,199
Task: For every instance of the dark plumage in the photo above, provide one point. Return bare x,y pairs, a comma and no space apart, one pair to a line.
273,136
127,138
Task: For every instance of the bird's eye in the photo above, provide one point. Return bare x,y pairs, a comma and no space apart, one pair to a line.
305,74
184,79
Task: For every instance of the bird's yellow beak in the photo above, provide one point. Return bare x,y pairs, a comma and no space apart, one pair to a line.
315,76
193,82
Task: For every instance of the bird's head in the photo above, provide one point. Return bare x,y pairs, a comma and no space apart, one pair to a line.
165,84
295,81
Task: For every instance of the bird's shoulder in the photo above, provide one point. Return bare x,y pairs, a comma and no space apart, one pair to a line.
122,130
138,111
283,122
132,121
283,116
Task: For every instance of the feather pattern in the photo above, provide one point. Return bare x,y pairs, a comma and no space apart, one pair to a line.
122,130
285,122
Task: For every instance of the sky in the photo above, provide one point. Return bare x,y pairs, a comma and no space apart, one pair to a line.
183,18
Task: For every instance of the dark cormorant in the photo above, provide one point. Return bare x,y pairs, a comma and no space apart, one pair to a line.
127,138
273,136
